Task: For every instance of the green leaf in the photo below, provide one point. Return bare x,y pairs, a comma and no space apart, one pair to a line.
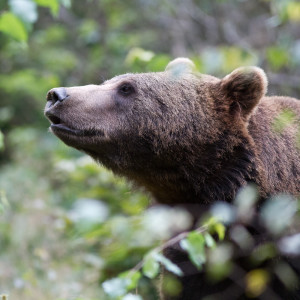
133,278
52,4
234,57
194,244
11,25
215,227
220,229
1,141
132,297
66,3
171,286
277,57
116,287
209,240
263,252
138,54
150,267
256,282
278,212
246,199
24,9
4,204
170,266
287,275
219,271
293,11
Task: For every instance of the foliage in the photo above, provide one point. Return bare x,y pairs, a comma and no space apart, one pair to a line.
219,257
69,228
11,25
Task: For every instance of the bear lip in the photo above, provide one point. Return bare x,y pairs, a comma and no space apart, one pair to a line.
64,128
59,126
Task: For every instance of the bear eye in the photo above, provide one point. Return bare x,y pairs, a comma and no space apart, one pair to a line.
126,89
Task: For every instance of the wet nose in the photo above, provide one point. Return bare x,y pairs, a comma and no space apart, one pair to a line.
57,94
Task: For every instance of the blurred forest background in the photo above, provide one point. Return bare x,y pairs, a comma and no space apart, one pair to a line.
66,224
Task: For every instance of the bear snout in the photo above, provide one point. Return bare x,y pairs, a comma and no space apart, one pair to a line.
55,96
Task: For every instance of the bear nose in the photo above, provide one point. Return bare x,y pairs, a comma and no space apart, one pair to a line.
57,94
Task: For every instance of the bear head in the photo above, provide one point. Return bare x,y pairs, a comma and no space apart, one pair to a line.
170,132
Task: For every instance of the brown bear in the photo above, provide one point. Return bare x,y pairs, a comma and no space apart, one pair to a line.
188,138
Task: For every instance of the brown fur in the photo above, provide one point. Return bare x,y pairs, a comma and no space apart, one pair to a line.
188,138
185,137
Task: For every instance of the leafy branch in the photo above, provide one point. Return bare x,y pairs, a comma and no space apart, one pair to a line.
193,242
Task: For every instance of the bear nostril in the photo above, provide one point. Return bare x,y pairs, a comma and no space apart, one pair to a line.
57,94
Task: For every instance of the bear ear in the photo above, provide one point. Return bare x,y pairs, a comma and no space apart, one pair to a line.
243,88
180,65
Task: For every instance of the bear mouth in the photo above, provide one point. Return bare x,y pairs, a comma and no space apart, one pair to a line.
63,128
58,126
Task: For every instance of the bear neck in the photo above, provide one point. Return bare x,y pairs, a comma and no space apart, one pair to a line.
214,173
235,168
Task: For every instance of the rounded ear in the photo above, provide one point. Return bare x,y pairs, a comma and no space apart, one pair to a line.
180,65
244,87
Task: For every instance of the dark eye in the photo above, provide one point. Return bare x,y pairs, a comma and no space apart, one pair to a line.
126,89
